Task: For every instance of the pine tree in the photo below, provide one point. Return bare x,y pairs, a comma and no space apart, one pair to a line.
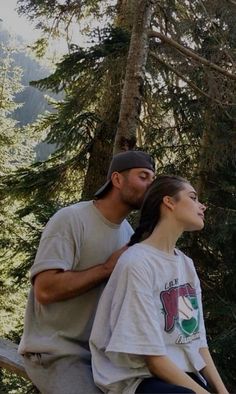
13,152
9,85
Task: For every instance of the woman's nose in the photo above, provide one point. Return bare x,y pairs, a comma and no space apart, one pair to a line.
203,207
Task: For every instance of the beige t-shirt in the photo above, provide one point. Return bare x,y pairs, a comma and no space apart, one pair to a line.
76,238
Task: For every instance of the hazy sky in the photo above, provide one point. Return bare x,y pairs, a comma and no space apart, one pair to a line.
19,25
15,23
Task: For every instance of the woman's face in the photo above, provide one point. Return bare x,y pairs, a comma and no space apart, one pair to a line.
188,211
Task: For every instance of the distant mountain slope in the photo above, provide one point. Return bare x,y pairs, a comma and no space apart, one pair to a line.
32,100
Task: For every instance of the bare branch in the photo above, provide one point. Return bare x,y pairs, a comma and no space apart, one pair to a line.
232,2
189,53
191,84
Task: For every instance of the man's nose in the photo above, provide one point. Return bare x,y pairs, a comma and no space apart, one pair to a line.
150,180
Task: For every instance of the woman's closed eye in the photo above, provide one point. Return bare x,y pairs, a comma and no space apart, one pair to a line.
193,196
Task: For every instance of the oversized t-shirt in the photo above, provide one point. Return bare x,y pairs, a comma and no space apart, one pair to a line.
76,238
151,305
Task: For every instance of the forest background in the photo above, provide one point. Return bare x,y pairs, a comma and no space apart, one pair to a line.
144,74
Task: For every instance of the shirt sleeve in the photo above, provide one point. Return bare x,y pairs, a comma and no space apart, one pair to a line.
134,322
57,245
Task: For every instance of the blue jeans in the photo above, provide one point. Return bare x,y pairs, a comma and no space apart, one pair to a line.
157,386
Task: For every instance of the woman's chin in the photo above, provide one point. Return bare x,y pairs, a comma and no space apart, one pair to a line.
196,226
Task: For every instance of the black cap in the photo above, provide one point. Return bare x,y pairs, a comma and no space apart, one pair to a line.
126,161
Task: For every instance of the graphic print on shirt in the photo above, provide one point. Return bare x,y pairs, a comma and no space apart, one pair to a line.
181,312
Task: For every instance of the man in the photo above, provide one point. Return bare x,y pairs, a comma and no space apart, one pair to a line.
78,251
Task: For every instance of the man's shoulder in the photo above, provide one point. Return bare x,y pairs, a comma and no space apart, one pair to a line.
70,213
73,208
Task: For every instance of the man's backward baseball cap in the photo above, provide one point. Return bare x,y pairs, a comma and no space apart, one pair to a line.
126,161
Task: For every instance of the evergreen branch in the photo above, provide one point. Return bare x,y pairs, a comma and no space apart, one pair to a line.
189,53
192,85
219,298
173,147
214,33
232,2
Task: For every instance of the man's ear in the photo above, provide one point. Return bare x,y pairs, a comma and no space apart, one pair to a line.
116,179
169,202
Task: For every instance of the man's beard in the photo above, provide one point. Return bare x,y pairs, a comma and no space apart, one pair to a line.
134,203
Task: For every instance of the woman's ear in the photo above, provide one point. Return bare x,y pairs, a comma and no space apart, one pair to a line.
169,202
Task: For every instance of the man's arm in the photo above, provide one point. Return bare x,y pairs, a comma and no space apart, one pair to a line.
211,374
57,285
163,368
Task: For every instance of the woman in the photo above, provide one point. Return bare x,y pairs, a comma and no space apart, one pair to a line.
148,334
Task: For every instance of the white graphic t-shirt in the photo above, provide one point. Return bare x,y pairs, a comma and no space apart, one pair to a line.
150,306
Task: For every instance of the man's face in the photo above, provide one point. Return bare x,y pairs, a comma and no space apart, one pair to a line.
134,185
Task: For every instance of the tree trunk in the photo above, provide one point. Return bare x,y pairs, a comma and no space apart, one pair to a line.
101,149
134,78
102,145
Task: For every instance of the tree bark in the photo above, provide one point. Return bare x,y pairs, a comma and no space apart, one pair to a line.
134,78
102,145
101,148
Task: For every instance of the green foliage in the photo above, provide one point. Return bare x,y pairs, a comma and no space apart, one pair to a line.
9,85
12,151
12,384
72,126
84,67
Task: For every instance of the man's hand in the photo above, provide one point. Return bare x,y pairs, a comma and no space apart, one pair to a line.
110,264
57,285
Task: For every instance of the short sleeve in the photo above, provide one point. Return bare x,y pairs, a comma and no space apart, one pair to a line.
57,245
134,322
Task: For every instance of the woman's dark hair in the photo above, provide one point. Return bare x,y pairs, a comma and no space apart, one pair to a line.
163,185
